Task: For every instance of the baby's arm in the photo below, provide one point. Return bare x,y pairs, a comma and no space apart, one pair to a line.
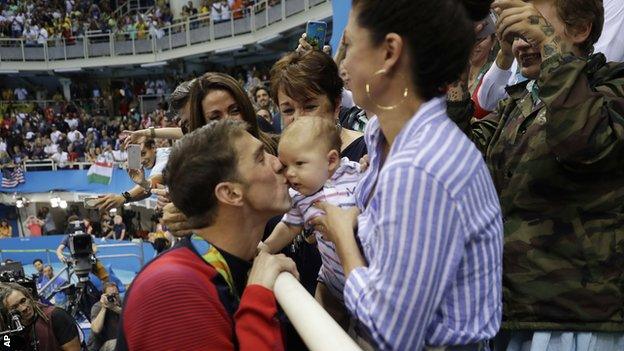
282,235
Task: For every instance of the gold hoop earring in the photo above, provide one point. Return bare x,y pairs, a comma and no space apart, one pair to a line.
382,107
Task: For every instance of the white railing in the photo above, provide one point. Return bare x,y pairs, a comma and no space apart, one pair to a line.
316,327
192,31
53,165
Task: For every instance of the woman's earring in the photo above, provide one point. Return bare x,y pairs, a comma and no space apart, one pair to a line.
382,107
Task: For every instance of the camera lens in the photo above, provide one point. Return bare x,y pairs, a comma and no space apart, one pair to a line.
110,298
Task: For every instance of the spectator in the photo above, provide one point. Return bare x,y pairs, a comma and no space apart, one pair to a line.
6,231
152,158
38,264
49,226
188,269
20,93
118,232
34,225
570,104
53,292
48,327
431,222
105,316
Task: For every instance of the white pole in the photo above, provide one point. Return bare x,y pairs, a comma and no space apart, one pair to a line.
315,326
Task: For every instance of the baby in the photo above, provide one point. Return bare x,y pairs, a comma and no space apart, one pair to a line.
310,151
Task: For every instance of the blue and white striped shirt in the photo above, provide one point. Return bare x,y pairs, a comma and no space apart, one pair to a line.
432,236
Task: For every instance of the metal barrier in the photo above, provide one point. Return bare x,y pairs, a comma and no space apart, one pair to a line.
183,34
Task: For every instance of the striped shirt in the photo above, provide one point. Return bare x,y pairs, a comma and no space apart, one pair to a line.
431,232
339,190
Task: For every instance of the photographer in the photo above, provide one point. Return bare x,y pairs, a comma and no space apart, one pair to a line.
105,319
45,327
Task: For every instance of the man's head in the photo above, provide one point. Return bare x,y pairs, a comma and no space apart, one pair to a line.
261,95
578,24
148,153
221,166
309,149
17,299
38,263
48,271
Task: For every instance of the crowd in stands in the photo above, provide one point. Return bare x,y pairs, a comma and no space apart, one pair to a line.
38,21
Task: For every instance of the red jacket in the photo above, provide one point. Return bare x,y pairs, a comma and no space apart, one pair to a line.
179,302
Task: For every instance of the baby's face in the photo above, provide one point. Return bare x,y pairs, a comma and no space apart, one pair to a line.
306,165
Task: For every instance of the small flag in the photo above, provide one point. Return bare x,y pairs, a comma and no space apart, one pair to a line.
12,178
100,172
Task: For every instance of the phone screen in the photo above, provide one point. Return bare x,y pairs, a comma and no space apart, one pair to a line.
315,34
134,156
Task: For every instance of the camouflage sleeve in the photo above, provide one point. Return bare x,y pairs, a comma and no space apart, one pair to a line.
585,126
479,131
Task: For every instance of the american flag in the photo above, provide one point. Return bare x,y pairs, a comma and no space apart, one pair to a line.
11,179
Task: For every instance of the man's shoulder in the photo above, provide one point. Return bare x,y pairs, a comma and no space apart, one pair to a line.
180,265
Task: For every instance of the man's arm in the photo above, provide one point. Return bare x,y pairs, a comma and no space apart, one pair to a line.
59,252
65,330
98,315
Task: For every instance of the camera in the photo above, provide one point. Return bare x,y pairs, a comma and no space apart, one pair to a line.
110,298
81,250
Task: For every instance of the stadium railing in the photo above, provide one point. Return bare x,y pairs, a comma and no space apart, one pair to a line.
192,31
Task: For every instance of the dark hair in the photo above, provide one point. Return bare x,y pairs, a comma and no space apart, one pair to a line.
302,75
575,13
161,244
197,164
477,9
149,143
219,81
257,89
438,34
37,260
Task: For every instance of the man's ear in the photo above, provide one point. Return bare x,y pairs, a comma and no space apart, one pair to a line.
333,160
229,193
580,33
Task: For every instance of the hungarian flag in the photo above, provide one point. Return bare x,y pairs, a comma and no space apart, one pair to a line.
100,172
11,179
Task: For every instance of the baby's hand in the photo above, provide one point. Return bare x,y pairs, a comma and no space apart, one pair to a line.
364,163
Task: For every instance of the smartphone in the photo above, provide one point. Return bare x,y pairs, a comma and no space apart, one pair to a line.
490,26
134,156
315,34
91,202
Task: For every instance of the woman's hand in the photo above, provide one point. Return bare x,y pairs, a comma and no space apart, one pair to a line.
133,137
304,46
267,267
176,221
335,222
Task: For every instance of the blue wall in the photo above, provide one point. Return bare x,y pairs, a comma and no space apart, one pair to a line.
29,251
70,180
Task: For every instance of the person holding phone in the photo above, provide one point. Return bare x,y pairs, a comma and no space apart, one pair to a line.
152,158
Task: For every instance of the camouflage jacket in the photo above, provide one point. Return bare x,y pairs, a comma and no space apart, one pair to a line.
558,166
